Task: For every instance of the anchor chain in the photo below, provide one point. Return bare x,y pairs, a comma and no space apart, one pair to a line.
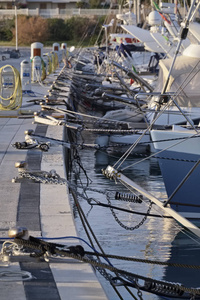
150,285
43,177
139,293
53,178
99,122
127,227
104,273
131,131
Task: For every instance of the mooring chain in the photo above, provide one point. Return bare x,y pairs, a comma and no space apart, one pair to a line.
139,293
43,177
126,131
99,122
53,178
135,277
176,159
146,156
124,226
104,273
54,250
115,145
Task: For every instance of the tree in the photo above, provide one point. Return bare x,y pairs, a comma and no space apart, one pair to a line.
58,30
6,27
95,3
82,4
31,29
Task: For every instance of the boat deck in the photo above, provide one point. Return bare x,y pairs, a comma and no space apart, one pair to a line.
44,209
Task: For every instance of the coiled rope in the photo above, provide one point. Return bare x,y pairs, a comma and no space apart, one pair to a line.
12,101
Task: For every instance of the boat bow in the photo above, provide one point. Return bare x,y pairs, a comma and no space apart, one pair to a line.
112,173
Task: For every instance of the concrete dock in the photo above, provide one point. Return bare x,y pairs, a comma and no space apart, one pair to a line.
44,209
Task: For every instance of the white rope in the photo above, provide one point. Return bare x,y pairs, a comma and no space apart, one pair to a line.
15,275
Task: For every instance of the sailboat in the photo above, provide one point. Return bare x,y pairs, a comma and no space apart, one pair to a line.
179,156
182,88
182,84
182,188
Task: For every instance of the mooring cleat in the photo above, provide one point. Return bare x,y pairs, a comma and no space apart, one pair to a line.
18,232
29,132
21,165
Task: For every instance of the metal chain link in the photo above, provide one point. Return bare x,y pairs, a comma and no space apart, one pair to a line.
53,178
43,177
56,251
104,273
127,227
131,277
131,131
139,293
99,121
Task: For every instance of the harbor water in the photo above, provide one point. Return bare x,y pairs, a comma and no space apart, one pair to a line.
132,235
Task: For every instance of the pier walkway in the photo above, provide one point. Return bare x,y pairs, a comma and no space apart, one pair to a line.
44,209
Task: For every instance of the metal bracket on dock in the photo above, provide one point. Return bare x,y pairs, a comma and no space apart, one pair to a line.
21,166
48,120
31,143
52,141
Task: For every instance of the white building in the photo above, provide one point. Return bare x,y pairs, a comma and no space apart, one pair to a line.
36,4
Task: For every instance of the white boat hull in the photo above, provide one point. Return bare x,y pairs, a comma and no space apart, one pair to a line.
175,163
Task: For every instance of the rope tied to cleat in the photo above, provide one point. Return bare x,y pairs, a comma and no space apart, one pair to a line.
40,248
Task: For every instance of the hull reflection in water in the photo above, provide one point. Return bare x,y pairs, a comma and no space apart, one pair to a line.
184,250
153,240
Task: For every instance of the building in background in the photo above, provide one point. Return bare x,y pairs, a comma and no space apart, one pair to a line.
41,5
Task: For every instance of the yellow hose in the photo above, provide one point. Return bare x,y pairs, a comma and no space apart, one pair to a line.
53,62
56,61
43,76
15,100
50,65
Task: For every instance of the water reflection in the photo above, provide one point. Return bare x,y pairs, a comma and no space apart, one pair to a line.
156,239
184,250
